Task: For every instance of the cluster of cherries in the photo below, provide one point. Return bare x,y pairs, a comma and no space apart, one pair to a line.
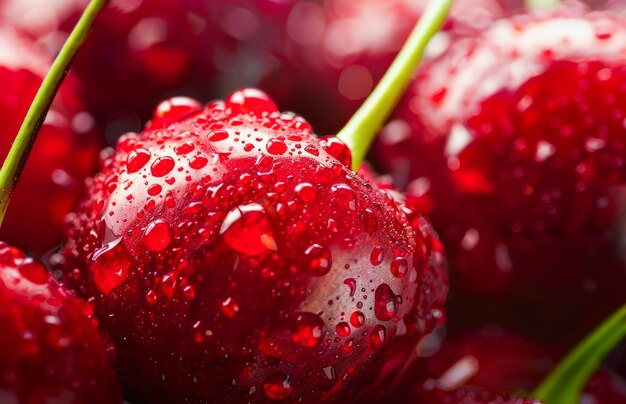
223,252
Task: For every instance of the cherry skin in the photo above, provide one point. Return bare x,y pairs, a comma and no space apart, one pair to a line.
64,154
516,154
51,349
231,256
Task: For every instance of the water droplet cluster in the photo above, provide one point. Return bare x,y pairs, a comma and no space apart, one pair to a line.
279,272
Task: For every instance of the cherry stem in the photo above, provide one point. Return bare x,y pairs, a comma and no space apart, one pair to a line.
538,4
23,143
361,129
566,381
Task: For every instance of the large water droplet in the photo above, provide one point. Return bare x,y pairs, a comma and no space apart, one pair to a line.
109,266
343,329
399,267
157,235
376,257
319,259
250,100
357,319
277,386
276,146
162,166
247,229
376,339
137,159
385,303
308,330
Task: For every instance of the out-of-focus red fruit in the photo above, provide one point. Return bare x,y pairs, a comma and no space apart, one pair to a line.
513,140
64,154
339,50
232,255
489,358
50,347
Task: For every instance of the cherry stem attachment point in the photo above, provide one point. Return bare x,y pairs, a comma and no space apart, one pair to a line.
361,129
23,143
566,381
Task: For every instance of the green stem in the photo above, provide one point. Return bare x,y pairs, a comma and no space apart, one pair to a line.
23,143
538,4
566,381
361,129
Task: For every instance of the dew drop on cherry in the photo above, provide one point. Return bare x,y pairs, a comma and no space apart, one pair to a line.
157,235
162,166
172,110
351,282
247,229
276,146
377,336
319,259
251,100
230,307
377,255
338,149
357,319
218,135
343,329
308,330
277,386
184,148
137,159
385,303
306,192
399,267
109,266
154,189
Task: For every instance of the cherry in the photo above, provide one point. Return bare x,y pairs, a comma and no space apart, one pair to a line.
229,256
333,53
516,155
51,349
63,156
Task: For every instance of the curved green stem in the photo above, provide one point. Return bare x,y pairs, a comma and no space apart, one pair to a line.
23,143
537,4
361,129
566,381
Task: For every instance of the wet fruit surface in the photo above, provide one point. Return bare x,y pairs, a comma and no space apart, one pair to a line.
243,238
64,154
51,350
517,155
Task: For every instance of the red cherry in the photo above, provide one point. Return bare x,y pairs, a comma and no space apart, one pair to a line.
517,156
51,349
64,154
255,264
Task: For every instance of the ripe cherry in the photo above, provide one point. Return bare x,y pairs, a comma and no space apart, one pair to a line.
51,350
517,156
239,235
63,156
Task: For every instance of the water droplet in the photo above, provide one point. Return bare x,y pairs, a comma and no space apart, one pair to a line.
137,159
154,189
357,319
308,330
250,100
399,267
184,148
162,166
306,192
218,135
376,339
319,259
247,229
157,235
344,195
351,282
197,162
33,271
343,329
338,149
376,257
172,110
276,146
109,266
277,386
385,303
230,307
